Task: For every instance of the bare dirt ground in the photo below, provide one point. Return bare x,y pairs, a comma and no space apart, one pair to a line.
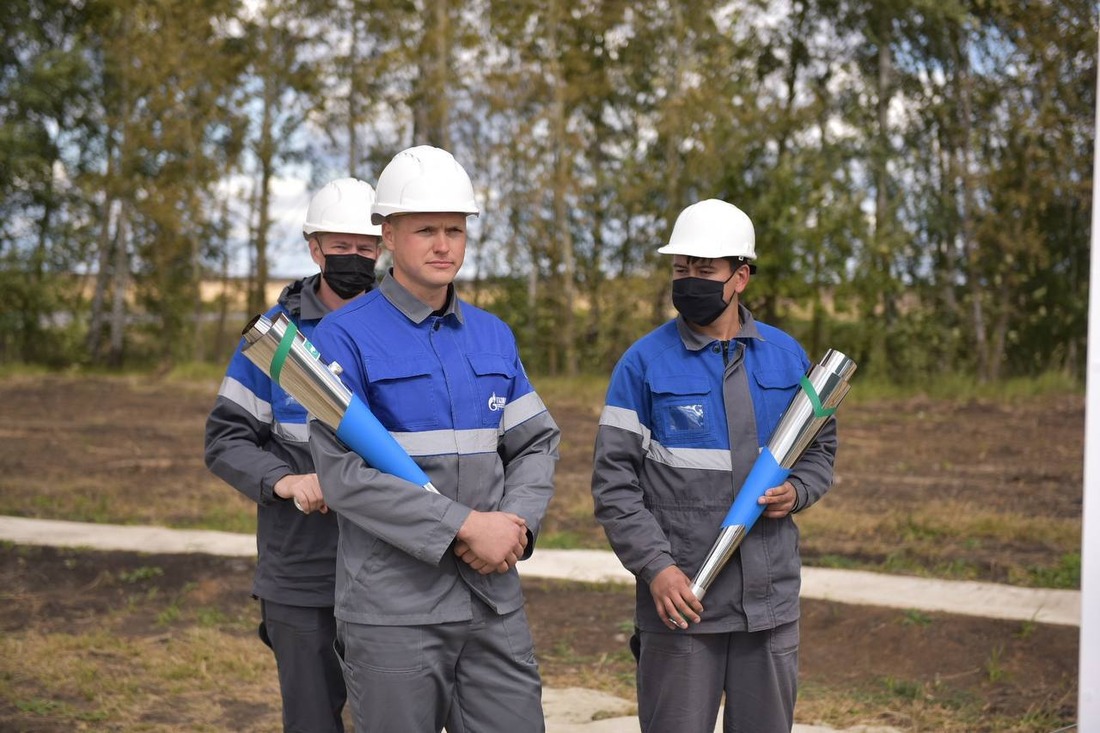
974,489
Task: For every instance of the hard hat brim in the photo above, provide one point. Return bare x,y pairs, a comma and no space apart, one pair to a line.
701,252
381,213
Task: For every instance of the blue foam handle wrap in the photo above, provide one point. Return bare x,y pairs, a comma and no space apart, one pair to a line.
765,474
361,431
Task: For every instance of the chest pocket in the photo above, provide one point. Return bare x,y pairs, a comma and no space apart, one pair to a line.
493,376
402,393
683,411
776,388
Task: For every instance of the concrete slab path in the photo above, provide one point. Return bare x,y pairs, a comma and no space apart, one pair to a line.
987,600
588,711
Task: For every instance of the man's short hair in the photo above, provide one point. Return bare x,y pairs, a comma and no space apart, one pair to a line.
735,262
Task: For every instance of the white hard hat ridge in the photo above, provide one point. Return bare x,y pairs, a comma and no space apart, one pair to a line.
711,229
343,206
423,179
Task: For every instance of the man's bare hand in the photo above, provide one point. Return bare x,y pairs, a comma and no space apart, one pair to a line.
779,501
491,542
672,596
304,490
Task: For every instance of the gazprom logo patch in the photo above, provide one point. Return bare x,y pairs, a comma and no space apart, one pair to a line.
496,403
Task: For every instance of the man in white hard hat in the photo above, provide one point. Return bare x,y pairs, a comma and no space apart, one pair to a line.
257,440
688,408
429,609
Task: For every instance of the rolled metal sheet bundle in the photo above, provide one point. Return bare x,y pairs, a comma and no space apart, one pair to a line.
823,389
280,350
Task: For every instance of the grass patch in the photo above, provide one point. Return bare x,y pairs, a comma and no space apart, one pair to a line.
583,390
942,539
839,562
994,665
210,617
964,387
197,371
915,617
122,683
139,575
78,504
1066,574
563,540
592,388
917,705
39,706
240,518
159,643
11,370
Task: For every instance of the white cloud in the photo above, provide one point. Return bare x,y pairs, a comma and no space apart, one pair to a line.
288,255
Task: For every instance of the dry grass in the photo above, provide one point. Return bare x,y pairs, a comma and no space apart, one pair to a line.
182,680
949,539
128,450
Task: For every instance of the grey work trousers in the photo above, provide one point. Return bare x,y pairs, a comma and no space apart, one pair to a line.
310,680
682,676
477,676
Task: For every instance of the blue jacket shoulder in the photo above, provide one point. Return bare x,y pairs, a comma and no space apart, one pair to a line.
780,339
653,344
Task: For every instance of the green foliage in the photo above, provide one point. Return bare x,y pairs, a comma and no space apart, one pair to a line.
141,574
562,541
230,518
959,386
198,371
1067,574
210,617
919,173
914,617
586,389
38,706
994,666
1027,628
837,561
904,689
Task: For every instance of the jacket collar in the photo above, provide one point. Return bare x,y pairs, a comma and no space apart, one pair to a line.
695,341
414,309
301,300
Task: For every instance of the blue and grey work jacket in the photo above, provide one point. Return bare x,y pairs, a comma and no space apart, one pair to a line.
452,391
683,423
255,435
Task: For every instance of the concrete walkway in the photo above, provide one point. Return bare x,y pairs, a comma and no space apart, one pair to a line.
587,711
988,600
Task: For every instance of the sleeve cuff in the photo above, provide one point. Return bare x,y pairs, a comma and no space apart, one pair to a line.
650,571
802,496
267,487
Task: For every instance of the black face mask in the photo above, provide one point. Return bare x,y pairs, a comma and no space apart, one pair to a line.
698,299
349,275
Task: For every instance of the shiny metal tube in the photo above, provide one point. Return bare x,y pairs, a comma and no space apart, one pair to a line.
729,539
301,372
289,359
823,389
801,423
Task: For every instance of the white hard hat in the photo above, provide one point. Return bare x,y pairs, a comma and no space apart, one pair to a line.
342,206
711,229
423,179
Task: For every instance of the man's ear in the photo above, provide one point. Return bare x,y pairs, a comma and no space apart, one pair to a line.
315,253
741,279
387,234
